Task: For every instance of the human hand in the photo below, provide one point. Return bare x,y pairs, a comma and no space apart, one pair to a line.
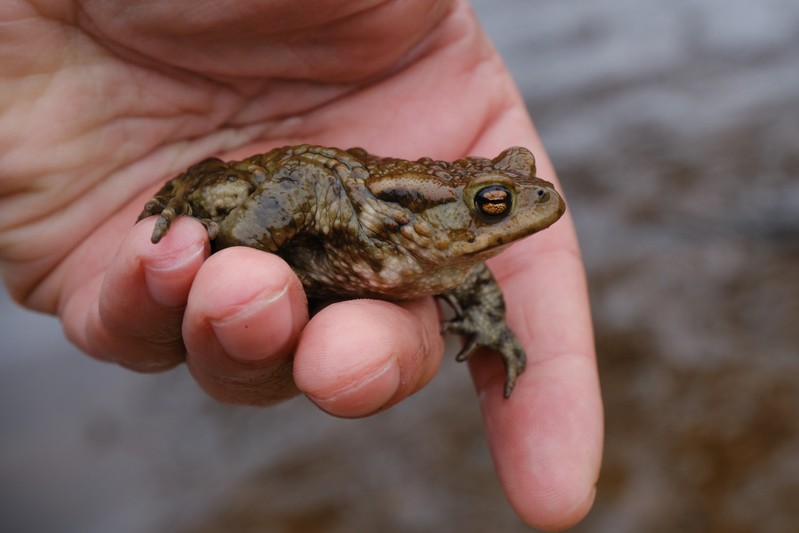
111,98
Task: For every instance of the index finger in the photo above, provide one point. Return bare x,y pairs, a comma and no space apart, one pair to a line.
546,439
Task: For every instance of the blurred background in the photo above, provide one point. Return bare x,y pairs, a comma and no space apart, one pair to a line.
675,130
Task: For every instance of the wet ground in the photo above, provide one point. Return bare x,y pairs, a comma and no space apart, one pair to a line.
675,129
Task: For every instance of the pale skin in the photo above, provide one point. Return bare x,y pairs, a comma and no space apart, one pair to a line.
103,101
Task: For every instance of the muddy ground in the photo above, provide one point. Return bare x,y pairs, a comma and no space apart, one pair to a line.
675,129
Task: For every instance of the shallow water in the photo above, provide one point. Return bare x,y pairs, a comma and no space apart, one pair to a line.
674,127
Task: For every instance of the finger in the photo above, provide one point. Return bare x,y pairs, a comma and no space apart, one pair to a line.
135,317
361,356
244,316
546,440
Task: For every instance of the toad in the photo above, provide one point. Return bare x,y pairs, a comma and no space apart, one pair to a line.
355,225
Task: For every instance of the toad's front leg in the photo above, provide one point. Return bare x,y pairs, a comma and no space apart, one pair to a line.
480,318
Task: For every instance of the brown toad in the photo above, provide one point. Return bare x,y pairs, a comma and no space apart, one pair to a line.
355,225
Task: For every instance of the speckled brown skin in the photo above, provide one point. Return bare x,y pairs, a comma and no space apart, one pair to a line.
354,225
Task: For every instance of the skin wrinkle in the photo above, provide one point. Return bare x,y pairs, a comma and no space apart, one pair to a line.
71,189
85,307
425,46
225,386
283,36
65,196
279,103
424,350
357,381
315,129
246,309
470,70
57,280
209,10
244,87
160,335
331,122
18,246
47,223
411,370
500,108
489,117
50,10
398,55
172,74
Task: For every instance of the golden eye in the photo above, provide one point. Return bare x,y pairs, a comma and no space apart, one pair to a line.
493,203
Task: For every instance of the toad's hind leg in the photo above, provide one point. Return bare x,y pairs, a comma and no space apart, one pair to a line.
480,317
207,191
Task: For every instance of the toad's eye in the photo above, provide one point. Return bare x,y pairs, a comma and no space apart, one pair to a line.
493,203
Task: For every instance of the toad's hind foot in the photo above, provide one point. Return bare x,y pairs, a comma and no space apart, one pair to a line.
507,346
480,319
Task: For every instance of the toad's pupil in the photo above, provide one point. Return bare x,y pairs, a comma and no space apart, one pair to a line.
493,202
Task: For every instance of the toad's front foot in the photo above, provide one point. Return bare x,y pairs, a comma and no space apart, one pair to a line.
480,319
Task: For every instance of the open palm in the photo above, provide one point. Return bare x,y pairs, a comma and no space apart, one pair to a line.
103,101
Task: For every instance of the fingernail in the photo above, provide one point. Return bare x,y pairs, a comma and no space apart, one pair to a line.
168,279
271,312
366,395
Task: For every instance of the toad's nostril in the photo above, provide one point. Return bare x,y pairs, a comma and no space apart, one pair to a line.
541,194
